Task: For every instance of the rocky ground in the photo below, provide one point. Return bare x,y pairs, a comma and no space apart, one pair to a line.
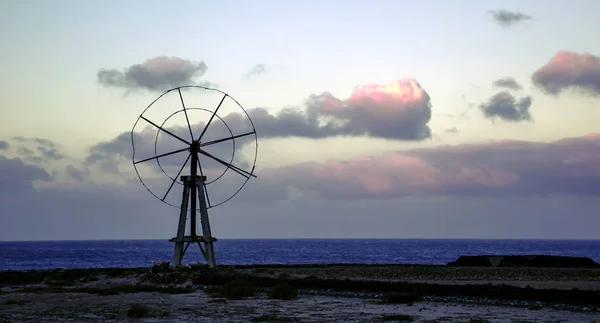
325,294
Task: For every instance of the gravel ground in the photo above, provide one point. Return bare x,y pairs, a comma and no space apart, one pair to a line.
312,305
198,307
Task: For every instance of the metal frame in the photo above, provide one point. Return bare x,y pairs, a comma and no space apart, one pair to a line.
182,242
195,184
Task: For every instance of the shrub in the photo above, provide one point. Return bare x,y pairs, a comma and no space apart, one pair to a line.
116,272
283,291
238,290
138,310
16,302
400,298
59,279
213,291
161,267
272,318
398,317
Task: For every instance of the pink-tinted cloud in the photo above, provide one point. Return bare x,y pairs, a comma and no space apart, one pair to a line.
567,166
398,110
569,70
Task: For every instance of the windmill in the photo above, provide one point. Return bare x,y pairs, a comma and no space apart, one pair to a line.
189,153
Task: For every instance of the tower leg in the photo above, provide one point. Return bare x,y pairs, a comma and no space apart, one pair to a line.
179,240
207,238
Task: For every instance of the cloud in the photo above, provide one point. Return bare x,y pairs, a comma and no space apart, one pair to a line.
506,18
452,130
155,74
4,145
569,70
507,83
17,177
37,150
496,168
256,70
513,184
505,106
76,173
400,110
505,168
36,140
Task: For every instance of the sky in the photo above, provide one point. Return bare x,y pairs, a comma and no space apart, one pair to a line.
373,119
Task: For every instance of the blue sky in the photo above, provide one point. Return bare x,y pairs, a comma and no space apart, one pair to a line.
53,51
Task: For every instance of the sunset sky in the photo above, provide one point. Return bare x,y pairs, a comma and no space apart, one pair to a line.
375,119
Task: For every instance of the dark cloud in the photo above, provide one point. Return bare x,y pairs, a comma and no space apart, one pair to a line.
4,145
156,74
506,18
18,177
127,211
506,168
505,106
569,70
507,83
256,70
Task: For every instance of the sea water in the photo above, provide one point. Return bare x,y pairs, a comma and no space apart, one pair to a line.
141,253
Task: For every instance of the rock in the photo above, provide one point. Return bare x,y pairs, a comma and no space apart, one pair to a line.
525,261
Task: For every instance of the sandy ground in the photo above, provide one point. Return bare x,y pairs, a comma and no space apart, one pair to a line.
198,307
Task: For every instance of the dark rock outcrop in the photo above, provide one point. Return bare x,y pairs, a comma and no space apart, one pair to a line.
539,261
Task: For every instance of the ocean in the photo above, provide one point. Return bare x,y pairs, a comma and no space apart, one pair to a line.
140,253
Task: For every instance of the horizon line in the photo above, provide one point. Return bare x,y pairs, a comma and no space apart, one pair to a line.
314,238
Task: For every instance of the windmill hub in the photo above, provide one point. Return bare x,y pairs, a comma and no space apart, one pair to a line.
195,147
195,198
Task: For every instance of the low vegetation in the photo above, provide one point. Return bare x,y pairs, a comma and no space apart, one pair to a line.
534,307
272,318
283,291
138,310
478,320
112,290
400,298
16,301
238,289
398,317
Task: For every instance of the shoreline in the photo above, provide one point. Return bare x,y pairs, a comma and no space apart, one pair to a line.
489,293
